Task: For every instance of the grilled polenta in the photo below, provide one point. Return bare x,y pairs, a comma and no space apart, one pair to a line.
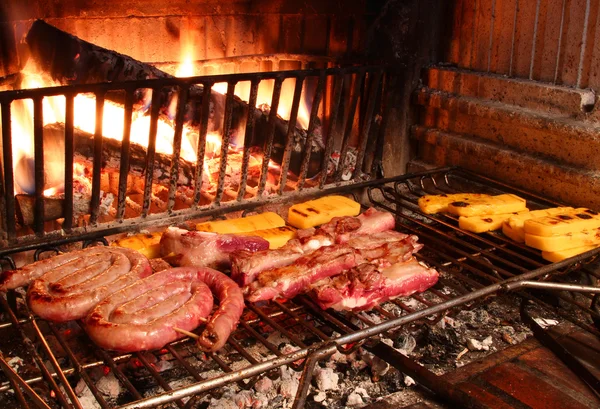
500,204
320,211
431,204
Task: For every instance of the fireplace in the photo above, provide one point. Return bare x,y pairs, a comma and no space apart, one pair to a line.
119,119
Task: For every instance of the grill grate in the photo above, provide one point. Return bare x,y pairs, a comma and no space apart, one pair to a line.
473,266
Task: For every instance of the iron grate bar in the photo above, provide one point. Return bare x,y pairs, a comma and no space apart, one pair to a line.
150,152
179,119
227,121
248,138
270,135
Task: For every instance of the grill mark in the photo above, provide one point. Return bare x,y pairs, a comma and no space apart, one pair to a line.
583,216
564,217
310,209
488,220
300,213
459,204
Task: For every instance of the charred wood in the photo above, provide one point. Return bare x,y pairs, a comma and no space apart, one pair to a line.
70,60
111,155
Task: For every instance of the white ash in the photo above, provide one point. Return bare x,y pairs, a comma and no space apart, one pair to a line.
408,381
15,363
290,380
354,400
276,338
326,378
109,385
545,323
320,397
163,365
378,366
85,395
475,345
264,385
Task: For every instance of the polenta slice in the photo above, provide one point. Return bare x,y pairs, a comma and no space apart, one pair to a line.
556,256
267,220
563,241
322,210
500,204
431,204
277,236
563,223
481,224
513,227
146,243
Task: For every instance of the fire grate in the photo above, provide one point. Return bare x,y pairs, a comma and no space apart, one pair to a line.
344,122
296,334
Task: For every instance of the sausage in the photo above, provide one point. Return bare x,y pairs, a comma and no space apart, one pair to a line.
142,315
226,317
67,286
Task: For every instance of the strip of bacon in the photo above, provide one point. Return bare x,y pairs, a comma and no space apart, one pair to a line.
203,249
368,285
288,281
246,265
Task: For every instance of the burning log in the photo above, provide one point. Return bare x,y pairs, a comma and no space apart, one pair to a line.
111,155
70,60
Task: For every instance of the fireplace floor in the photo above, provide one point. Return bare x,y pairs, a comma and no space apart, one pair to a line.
527,375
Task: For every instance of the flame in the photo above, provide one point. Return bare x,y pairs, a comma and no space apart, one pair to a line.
54,110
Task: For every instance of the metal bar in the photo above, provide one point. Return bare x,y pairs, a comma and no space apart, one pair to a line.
349,125
38,157
544,285
287,153
248,138
560,38
19,383
69,153
155,109
534,39
124,165
270,135
9,184
34,354
102,88
305,378
207,89
312,125
583,44
513,39
163,384
364,137
227,120
95,200
332,134
78,367
179,119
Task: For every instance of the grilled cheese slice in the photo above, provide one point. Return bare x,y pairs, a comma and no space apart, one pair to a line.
320,211
481,224
277,236
556,256
513,227
267,220
563,241
430,204
573,221
500,204
146,243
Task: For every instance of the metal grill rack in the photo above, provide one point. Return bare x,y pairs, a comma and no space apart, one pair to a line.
472,267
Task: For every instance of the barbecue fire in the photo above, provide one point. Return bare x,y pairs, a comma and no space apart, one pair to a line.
113,128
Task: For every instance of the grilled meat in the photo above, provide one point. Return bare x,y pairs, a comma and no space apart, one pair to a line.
245,265
327,261
203,249
67,286
368,285
142,316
